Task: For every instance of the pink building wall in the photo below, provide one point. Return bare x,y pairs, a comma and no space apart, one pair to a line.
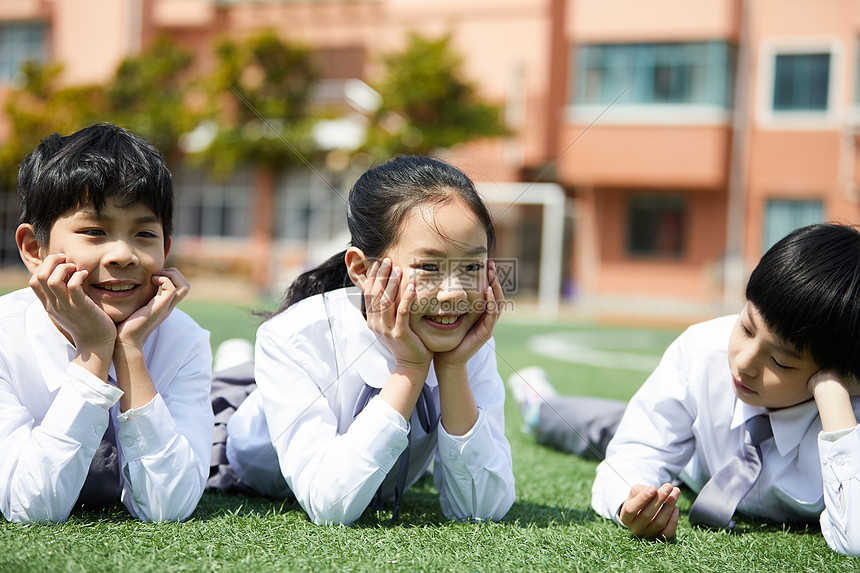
516,52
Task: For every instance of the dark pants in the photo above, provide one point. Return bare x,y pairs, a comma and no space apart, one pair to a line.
579,425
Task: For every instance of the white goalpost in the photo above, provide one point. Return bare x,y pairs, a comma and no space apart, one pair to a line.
552,199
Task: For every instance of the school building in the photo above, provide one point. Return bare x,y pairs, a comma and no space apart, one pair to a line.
659,147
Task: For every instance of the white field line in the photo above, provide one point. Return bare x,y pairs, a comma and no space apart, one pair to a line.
573,347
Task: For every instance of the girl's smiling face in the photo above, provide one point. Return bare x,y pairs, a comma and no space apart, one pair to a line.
442,250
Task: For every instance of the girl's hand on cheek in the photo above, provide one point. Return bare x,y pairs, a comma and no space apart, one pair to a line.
482,330
388,315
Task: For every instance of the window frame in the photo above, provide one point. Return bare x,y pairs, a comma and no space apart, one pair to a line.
656,197
626,109
765,80
44,46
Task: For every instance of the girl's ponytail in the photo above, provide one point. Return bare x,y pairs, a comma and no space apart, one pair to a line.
330,275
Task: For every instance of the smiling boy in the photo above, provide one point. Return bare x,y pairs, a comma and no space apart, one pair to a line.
104,385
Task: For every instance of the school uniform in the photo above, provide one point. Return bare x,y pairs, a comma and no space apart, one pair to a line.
54,416
685,421
316,365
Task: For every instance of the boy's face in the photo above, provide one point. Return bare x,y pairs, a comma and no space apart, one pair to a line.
121,248
767,371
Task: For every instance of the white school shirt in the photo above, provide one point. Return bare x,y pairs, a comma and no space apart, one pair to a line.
53,415
685,421
312,361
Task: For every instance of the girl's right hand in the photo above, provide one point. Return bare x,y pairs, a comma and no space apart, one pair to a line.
388,317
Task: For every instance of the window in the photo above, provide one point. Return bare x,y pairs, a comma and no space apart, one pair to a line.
784,216
208,208
20,42
656,226
308,209
10,209
801,82
666,73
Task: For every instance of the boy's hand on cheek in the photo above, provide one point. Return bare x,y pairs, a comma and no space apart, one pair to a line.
135,330
651,512
832,394
825,377
482,330
59,286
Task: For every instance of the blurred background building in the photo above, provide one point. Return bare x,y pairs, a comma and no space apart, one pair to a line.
649,152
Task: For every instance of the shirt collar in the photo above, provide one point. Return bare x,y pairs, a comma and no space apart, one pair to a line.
52,350
790,425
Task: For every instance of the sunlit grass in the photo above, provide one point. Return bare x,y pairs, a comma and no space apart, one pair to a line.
550,527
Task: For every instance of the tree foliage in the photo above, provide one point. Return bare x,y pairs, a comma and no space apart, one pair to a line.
258,96
254,108
149,94
428,104
40,106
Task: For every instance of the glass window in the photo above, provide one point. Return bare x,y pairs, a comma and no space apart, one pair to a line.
207,208
19,43
656,226
784,216
308,208
801,82
666,73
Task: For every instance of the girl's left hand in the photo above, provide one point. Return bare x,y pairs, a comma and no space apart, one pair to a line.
172,288
482,330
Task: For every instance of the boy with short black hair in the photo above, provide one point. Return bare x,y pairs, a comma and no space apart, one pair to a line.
756,412
104,385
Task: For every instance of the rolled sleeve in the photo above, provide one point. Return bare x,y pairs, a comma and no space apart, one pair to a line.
148,431
470,453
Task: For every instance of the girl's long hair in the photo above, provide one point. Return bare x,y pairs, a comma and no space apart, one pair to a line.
378,203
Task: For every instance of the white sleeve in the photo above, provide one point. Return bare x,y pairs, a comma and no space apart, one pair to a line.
165,448
840,470
474,472
44,466
654,440
333,476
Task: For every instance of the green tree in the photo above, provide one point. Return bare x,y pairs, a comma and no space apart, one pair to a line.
41,106
427,103
149,94
258,113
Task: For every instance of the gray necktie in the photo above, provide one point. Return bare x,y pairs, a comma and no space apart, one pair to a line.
719,498
427,417
102,485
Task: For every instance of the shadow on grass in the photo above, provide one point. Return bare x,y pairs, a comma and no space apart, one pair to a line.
420,508
531,514
215,504
744,524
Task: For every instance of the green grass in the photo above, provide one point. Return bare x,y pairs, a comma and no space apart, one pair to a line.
550,527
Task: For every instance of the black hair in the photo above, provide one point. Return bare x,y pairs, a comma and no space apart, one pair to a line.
807,289
89,167
378,203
